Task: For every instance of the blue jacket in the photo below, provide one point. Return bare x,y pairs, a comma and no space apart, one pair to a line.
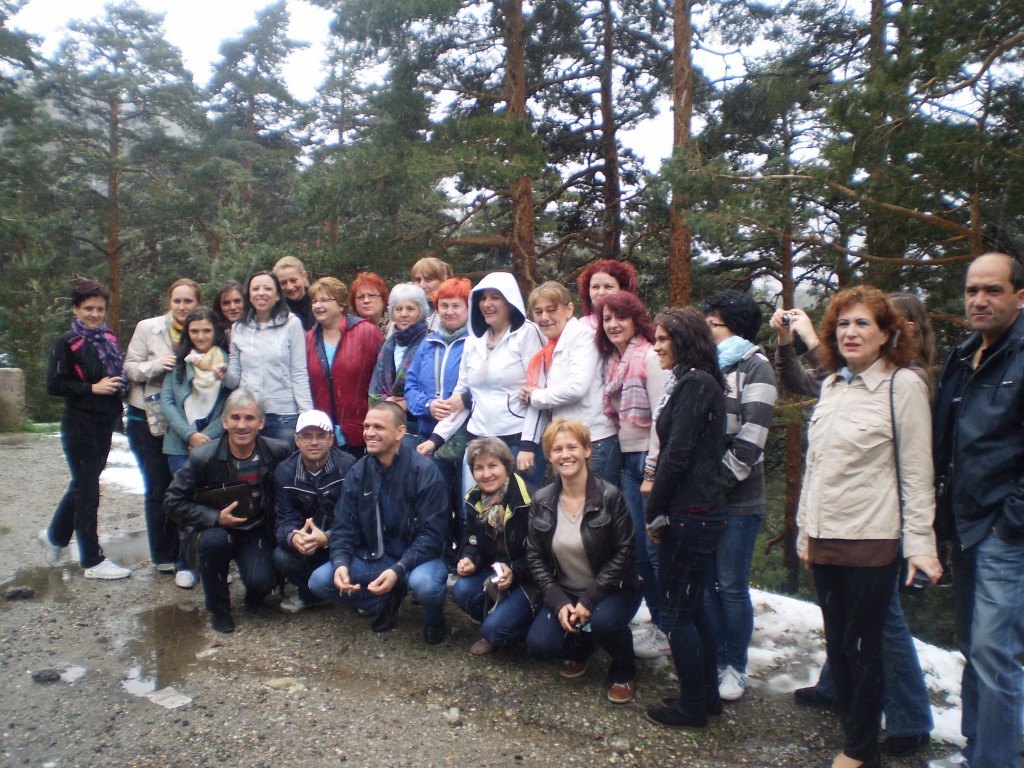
979,441
434,373
419,505
299,495
179,429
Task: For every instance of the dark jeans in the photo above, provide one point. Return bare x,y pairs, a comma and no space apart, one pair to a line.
156,476
908,711
86,442
252,550
609,628
606,459
684,565
505,625
297,568
854,603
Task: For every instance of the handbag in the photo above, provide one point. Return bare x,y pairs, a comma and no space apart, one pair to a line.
154,416
921,580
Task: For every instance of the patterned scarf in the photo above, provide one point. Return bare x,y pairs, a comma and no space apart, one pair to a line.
541,363
670,387
491,508
174,328
104,342
627,380
389,381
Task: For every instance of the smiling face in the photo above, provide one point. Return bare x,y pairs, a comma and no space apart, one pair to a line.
326,310
200,333
263,295
497,312
242,424
568,456
293,282
232,306
602,284
314,444
454,313
369,304
551,316
619,330
859,338
91,312
405,313
381,435
663,348
183,301
490,473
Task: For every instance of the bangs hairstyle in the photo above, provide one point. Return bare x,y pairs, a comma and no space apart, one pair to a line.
550,290
334,288
223,290
692,345
89,289
189,283
490,446
625,306
624,274
368,282
574,428
185,346
408,292
432,268
278,313
454,288
898,351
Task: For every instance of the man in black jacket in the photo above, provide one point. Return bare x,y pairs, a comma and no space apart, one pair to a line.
979,469
217,536
389,531
307,486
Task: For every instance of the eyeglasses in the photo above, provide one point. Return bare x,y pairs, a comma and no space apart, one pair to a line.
324,300
366,296
313,437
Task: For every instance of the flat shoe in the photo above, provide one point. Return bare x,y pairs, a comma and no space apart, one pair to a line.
622,693
901,746
481,647
572,669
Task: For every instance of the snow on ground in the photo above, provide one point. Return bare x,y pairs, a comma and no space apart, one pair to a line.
788,649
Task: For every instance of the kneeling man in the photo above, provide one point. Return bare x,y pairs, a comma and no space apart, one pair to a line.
389,530
307,486
240,463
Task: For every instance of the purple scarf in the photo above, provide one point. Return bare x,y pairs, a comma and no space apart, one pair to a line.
388,381
104,342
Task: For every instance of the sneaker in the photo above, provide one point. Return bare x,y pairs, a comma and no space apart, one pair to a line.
167,568
622,693
108,570
732,684
51,551
185,579
954,760
570,669
649,642
295,603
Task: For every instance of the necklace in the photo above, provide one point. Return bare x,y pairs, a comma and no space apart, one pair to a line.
573,508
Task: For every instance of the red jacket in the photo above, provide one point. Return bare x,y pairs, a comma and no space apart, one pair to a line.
350,374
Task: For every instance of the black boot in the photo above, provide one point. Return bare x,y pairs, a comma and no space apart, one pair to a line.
385,620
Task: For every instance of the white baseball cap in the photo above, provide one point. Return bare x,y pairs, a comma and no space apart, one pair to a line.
317,419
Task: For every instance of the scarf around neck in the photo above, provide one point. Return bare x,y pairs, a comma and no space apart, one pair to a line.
389,380
732,350
174,328
540,363
104,342
491,507
627,381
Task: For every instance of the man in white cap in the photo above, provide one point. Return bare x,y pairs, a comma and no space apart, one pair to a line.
307,486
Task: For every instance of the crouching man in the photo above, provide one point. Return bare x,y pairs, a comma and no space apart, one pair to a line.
307,486
389,530
240,465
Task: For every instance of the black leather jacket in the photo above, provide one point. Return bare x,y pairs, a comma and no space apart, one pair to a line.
608,540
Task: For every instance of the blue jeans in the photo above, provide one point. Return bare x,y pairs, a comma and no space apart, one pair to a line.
156,476
727,597
687,545
646,551
606,459
297,568
505,625
989,583
428,583
280,426
609,628
908,712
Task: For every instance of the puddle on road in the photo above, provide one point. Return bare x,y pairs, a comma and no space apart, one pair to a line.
126,548
159,646
47,583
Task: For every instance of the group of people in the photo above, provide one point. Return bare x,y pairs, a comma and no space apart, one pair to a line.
359,453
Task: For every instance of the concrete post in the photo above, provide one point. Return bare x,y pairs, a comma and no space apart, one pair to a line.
12,399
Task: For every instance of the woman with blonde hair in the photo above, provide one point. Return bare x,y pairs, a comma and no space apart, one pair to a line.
428,273
294,281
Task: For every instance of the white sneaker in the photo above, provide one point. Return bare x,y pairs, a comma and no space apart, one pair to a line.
295,603
108,570
649,642
51,551
955,760
185,579
732,684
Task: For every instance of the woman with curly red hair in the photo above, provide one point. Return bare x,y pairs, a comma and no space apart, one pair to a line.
601,279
